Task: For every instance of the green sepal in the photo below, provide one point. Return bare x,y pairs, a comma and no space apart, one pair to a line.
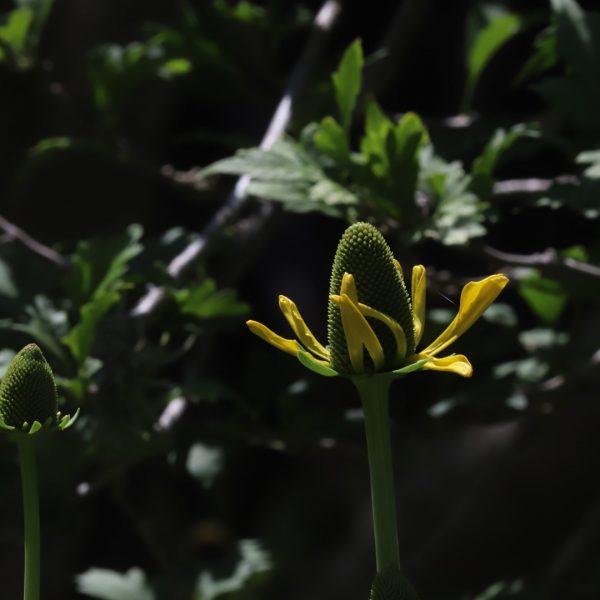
66,421
316,367
391,584
35,427
61,422
416,366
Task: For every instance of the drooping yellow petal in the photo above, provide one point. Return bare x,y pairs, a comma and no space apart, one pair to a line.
300,328
418,290
476,296
456,363
348,287
359,335
263,332
394,326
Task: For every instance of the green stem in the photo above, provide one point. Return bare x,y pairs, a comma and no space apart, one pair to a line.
31,584
374,394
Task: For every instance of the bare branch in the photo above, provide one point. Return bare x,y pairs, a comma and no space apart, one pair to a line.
323,23
548,261
12,232
532,185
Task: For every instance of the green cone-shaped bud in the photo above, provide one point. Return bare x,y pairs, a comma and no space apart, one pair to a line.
364,253
28,390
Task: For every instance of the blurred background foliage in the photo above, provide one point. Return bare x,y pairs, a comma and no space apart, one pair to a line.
205,464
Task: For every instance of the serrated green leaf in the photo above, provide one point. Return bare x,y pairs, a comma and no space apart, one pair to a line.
577,37
578,45
105,584
591,158
284,161
457,212
483,166
331,139
46,325
347,81
13,34
253,561
292,193
489,40
204,463
205,301
404,143
374,142
99,265
81,337
327,192
543,58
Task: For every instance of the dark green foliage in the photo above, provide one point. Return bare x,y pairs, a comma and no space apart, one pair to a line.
478,154
28,390
363,252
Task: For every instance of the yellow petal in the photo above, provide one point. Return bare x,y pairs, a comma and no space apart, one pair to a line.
359,335
348,287
394,326
457,363
263,332
418,289
476,296
300,328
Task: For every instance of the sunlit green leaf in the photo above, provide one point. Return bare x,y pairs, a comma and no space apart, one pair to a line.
489,40
105,584
99,265
204,463
347,81
331,139
404,143
484,165
205,301
252,561
374,142
81,338
546,297
14,31
542,59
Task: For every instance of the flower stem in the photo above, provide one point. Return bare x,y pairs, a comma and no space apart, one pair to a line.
374,394
31,583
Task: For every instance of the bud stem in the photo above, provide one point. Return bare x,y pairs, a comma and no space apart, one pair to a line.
31,582
374,394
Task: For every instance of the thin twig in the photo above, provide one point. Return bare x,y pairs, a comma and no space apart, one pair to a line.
16,233
548,261
531,185
201,245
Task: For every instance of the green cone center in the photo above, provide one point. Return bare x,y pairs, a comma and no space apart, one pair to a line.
364,253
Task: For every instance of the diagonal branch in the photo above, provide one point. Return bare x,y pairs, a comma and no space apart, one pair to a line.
549,262
200,247
16,233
